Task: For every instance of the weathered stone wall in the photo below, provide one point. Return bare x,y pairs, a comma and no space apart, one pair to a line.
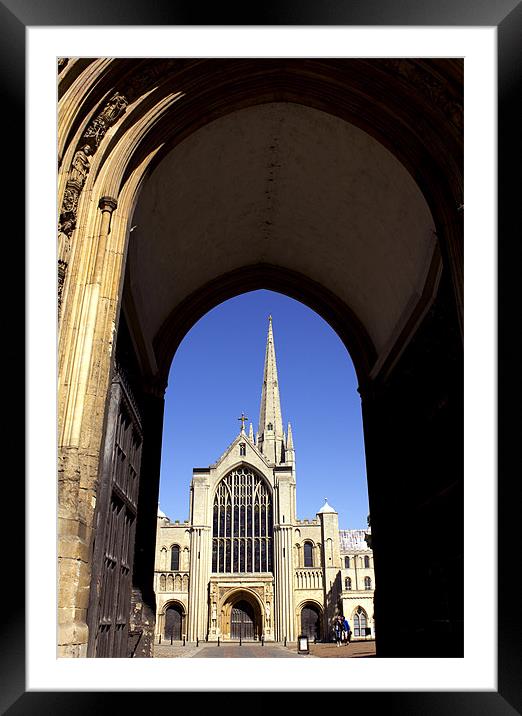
141,627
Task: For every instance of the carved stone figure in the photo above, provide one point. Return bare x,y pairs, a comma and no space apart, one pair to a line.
66,226
80,166
111,112
64,247
114,108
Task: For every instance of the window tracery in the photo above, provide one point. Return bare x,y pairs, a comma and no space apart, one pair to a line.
360,622
242,523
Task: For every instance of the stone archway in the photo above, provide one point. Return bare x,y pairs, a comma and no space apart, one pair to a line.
118,122
241,617
173,621
310,616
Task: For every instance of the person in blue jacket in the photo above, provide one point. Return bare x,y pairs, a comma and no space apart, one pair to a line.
346,631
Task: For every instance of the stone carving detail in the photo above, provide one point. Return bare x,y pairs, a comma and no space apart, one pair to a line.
79,167
65,229
112,111
90,142
267,613
259,590
64,249
70,203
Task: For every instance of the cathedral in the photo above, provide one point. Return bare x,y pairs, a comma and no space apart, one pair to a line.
243,566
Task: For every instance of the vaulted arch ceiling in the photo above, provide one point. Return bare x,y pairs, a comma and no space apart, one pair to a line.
290,186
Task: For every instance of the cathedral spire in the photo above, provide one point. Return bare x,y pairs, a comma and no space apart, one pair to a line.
270,430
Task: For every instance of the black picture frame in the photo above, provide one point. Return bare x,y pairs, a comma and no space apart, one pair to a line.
506,16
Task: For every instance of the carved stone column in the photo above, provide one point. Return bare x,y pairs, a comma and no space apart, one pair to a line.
79,454
107,205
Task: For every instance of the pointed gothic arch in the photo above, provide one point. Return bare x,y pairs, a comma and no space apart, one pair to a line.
360,622
242,615
128,138
242,523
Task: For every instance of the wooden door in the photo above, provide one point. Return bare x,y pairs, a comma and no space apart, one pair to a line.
310,623
109,606
242,623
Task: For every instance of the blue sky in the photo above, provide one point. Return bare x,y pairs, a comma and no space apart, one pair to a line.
217,373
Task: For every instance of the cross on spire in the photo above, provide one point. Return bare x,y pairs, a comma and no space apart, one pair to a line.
243,418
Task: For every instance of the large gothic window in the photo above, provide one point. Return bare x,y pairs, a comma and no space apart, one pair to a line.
242,524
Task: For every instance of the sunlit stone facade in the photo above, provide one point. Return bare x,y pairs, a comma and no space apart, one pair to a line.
243,566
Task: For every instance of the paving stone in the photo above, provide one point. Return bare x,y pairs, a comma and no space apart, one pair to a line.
255,650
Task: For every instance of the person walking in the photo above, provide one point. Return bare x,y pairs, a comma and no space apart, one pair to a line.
346,631
338,630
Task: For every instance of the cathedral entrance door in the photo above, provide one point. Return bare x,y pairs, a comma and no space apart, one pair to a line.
310,623
242,623
173,623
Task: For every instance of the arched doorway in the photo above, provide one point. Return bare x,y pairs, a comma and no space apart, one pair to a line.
311,622
241,617
399,336
173,628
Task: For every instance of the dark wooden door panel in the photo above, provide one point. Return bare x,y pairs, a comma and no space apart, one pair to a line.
242,623
310,623
116,523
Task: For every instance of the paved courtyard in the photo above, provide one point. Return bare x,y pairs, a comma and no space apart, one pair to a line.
254,650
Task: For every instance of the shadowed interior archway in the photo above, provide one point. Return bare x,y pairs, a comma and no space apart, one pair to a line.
310,616
173,627
143,118
275,278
